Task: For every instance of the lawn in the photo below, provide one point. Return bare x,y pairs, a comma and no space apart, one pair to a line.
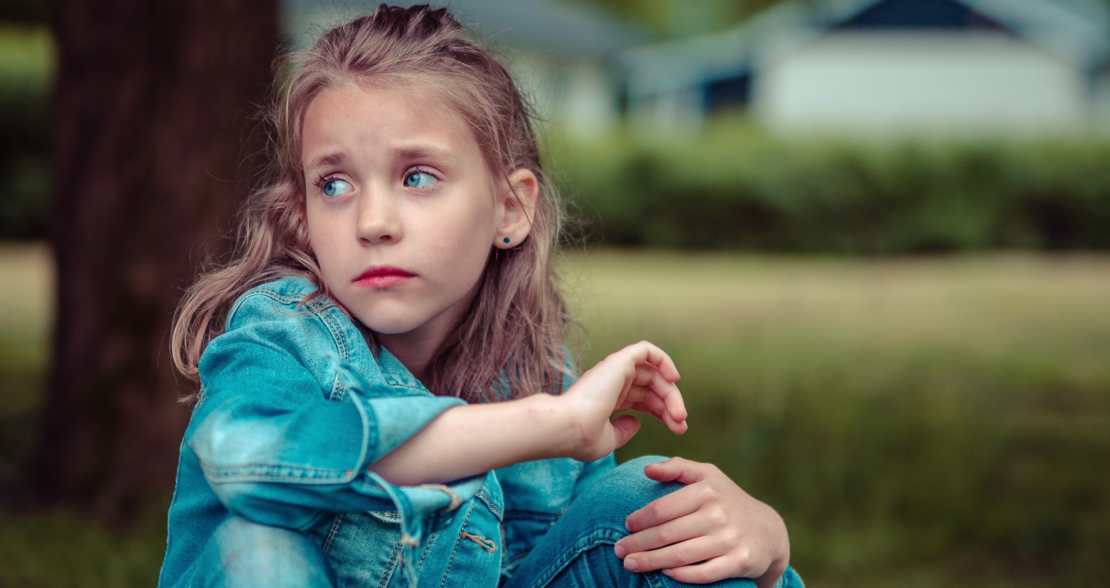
917,421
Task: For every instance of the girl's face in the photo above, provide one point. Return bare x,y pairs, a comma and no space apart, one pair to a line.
401,210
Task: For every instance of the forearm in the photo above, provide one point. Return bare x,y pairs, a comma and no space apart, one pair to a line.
468,440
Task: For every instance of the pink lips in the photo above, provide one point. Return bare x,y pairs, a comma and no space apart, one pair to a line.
383,277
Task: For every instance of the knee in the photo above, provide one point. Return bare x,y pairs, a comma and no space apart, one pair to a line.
246,554
626,489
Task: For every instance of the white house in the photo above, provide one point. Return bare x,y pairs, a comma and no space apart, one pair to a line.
561,52
1007,67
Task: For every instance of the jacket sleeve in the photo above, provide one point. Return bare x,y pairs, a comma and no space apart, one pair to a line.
279,449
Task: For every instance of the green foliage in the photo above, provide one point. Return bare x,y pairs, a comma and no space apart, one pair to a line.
736,188
26,63
682,18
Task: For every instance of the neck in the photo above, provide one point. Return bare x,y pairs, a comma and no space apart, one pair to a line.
416,348
414,351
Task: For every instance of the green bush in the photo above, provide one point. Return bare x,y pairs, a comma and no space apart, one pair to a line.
26,55
735,188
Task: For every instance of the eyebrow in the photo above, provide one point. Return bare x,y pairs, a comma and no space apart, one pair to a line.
327,160
403,153
419,152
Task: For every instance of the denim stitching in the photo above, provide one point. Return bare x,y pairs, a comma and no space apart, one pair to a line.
333,531
387,573
317,308
427,548
386,516
517,557
300,473
598,537
484,496
337,335
337,388
654,580
447,570
272,295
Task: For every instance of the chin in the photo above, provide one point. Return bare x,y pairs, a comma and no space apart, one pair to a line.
388,325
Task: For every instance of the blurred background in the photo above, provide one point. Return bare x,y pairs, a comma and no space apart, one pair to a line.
873,234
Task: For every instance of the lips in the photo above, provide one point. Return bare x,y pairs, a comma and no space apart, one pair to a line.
383,277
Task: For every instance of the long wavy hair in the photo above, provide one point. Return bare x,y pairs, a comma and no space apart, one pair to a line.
511,341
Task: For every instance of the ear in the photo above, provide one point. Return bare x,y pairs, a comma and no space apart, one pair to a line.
516,205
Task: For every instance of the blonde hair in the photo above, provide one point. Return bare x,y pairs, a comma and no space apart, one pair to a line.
510,342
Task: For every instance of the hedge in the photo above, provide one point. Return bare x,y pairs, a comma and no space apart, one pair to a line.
736,188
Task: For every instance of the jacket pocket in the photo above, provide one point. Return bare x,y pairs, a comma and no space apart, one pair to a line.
469,551
364,549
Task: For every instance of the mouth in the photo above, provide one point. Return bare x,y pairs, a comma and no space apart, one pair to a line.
383,277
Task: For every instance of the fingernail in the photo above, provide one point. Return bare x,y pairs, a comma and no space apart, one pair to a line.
630,564
619,550
668,573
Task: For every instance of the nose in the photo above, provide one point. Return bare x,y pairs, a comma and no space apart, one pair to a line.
378,221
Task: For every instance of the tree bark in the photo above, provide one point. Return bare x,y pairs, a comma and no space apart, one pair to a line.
151,124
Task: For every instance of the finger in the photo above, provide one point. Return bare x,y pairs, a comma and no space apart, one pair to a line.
673,407
679,503
672,397
625,427
672,556
713,570
677,427
647,352
636,394
654,406
643,408
670,532
645,374
677,469
646,396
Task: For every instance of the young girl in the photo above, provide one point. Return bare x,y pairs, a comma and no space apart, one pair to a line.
385,396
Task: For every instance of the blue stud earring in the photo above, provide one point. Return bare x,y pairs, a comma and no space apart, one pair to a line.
506,240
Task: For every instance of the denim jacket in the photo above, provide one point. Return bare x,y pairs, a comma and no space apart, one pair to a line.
294,406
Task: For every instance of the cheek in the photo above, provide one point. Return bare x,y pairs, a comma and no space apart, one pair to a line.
465,249
320,239
464,244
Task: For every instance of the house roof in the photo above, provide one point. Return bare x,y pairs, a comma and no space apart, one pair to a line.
1075,30
560,29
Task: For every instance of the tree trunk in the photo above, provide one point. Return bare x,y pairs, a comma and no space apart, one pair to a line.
152,109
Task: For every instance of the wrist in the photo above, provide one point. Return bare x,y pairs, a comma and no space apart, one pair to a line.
560,435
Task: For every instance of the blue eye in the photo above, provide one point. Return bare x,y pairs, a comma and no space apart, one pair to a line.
336,188
419,179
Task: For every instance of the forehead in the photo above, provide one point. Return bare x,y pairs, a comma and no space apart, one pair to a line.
352,116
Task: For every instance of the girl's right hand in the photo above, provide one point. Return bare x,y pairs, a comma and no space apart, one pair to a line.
639,377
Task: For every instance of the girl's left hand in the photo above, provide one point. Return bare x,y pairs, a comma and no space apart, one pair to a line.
707,531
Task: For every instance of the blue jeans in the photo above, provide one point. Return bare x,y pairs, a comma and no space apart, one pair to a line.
576,552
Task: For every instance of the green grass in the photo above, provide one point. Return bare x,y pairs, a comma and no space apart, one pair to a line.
61,549
917,421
